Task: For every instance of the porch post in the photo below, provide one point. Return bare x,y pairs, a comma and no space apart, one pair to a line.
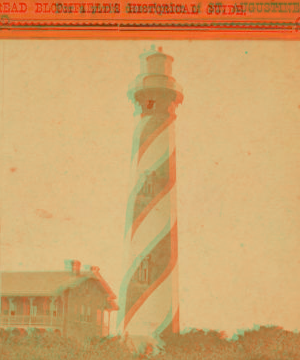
24,309
102,321
24,306
65,321
10,306
45,306
62,320
108,323
52,308
31,309
63,305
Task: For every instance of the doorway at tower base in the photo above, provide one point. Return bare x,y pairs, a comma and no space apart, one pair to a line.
144,344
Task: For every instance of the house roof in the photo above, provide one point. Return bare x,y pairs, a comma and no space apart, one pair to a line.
48,283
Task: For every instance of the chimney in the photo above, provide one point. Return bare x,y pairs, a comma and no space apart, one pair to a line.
95,269
73,266
92,268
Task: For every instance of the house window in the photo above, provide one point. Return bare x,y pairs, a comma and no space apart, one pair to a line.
88,314
5,306
98,316
82,312
76,313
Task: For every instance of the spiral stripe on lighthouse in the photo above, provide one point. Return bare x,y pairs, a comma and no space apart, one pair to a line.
135,263
150,291
141,159
153,224
171,321
125,316
149,307
159,200
148,297
130,209
136,142
168,183
135,191
145,217
138,218
150,139
160,144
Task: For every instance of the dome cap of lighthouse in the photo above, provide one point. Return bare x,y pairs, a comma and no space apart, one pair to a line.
156,62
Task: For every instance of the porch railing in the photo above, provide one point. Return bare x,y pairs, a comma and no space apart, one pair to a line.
27,320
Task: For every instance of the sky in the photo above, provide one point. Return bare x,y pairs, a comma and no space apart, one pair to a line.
66,135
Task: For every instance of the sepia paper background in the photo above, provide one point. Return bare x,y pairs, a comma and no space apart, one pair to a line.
66,134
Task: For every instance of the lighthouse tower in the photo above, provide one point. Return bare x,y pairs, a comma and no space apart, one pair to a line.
148,296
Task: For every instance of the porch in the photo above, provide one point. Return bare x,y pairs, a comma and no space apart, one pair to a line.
27,311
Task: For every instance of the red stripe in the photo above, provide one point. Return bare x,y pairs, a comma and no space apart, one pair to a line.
172,178
159,281
153,136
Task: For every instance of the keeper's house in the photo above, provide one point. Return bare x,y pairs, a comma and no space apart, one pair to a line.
72,302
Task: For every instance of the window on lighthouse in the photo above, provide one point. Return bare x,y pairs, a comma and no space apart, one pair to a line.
151,104
148,188
144,271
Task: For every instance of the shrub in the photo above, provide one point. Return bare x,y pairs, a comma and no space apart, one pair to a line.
266,343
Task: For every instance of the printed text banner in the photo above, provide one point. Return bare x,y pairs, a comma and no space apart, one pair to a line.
147,19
